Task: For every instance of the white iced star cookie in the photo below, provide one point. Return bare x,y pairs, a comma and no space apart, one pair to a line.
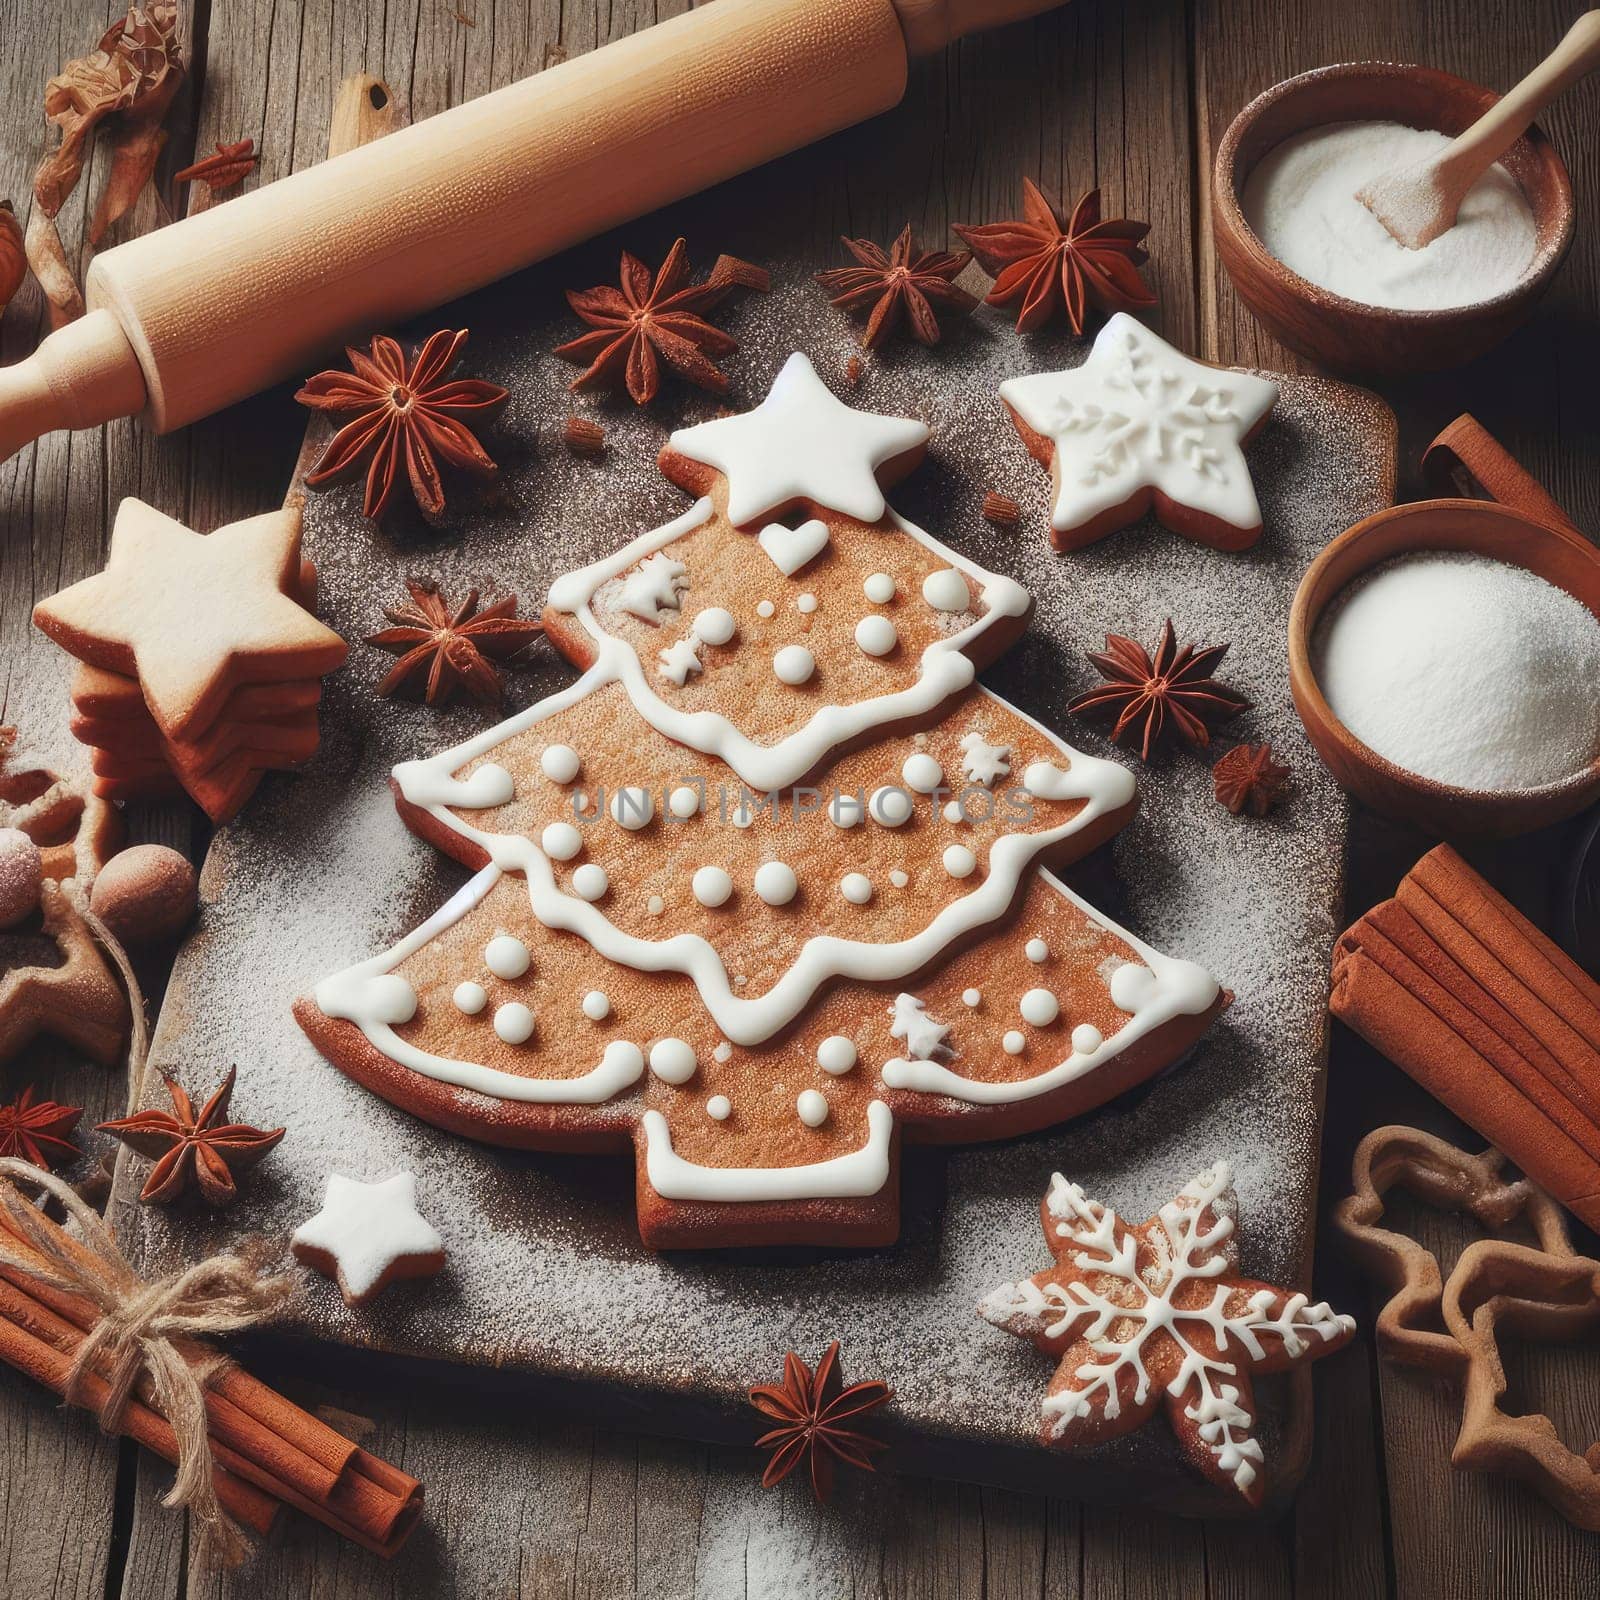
1139,427
369,1234
801,443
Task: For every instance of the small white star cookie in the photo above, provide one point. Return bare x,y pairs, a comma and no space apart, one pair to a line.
1140,427
369,1234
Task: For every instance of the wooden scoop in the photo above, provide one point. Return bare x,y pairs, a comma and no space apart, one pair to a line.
1419,202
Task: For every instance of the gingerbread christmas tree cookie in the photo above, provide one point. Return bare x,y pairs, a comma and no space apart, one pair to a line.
1139,427
763,891
1158,1315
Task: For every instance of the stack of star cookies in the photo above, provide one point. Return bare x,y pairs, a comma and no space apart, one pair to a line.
200,659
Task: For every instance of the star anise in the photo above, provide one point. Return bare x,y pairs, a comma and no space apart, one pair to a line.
1046,263
231,164
442,649
907,282
810,1410
190,1148
405,413
36,1130
650,320
1176,690
1248,779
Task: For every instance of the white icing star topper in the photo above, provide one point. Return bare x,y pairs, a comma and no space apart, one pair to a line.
801,442
1141,421
367,1234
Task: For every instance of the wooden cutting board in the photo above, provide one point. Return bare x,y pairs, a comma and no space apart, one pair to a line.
546,1278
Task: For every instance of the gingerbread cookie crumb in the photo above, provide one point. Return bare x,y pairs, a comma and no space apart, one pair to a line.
1001,509
583,437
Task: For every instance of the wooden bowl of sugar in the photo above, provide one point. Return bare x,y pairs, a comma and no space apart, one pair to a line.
1444,657
1319,270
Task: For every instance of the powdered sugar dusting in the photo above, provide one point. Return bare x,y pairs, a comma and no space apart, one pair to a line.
544,1269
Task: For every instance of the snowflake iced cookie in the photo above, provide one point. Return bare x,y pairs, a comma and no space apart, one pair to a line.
765,891
1139,427
369,1235
1159,1314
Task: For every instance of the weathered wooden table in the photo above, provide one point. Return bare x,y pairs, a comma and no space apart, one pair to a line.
1132,96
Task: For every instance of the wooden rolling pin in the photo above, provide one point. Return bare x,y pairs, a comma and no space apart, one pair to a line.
199,314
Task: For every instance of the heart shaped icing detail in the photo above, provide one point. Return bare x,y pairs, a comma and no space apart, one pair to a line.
791,548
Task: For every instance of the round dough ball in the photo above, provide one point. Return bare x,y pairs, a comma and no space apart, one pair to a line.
21,872
146,894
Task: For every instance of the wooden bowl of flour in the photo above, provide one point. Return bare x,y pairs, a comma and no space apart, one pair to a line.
1346,334
1521,526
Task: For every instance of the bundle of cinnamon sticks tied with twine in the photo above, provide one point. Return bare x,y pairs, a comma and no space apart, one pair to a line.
75,1316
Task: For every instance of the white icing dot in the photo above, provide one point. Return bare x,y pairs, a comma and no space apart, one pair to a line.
959,861
1132,986
391,999
719,1108
589,882
597,1005
899,877
672,1060
655,905
684,801
506,957
845,811
947,591
1039,1007
922,773
806,604
954,811
711,886
836,1054
1014,1043
811,1108
1036,950
559,763
971,997
1086,1039
470,998
856,887
776,882
891,806
561,841
765,608
514,1022
876,635
714,625
723,1052
794,665
879,588
632,808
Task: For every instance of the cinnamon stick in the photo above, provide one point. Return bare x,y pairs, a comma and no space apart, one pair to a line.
1464,994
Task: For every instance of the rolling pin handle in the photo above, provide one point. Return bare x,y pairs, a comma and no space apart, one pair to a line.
83,374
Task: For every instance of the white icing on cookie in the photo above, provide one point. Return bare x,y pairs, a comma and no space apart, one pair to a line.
506,957
811,1107
983,762
470,998
561,841
1086,1039
922,772
1039,1008
722,1052
559,763
719,1108
861,1172
806,604
714,625
971,997
513,1022
679,659
685,801
765,608
367,1227
794,665
632,807
711,886
856,887
891,806
672,1061
590,882
1014,1043
947,591
776,883
879,588
959,861
1037,951
836,1054
898,877
597,1005
800,443
1139,414
655,587
433,784
791,548
876,635
924,1036
846,810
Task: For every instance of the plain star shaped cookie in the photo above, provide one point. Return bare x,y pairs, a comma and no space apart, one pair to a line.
802,443
193,616
1158,1314
1139,426
368,1234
